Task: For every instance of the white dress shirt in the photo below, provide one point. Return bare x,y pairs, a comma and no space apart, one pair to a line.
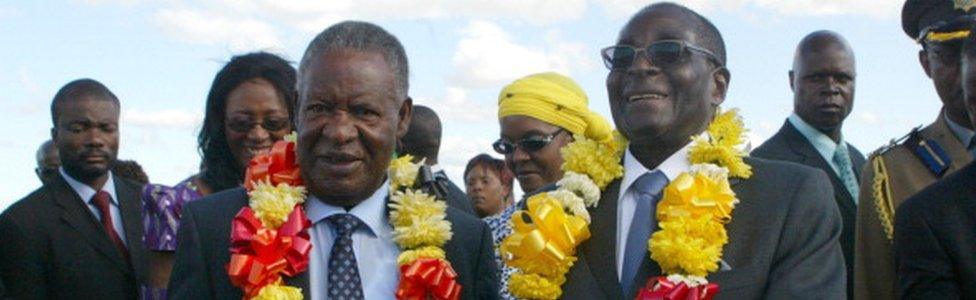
627,203
376,253
86,193
820,141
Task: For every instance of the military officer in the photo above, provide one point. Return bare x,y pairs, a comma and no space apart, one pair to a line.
909,164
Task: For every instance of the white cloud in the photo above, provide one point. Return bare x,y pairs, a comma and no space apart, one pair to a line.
883,9
208,27
487,57
160,119
457,108
457,150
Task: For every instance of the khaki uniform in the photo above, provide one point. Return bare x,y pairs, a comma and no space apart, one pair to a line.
892,174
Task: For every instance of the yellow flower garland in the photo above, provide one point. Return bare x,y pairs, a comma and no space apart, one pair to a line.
698,203
543,244
419,225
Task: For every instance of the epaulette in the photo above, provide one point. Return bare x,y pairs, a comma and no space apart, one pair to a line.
930,153
895,142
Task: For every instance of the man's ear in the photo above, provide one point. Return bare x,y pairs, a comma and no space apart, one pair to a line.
923,58
720,80
792,88
406,113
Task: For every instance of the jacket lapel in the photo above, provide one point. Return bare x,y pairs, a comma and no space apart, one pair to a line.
942,135
75,213
601,250
300,281
130,208
809,156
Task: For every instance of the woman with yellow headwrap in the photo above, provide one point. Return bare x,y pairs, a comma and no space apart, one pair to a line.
539,114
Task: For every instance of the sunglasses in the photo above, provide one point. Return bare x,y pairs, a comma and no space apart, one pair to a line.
269,124
528,144
664,54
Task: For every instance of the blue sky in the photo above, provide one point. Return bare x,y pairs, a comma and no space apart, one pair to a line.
160,57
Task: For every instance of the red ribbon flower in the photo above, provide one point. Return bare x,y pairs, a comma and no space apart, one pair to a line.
660,288
259,255
428,278
277,166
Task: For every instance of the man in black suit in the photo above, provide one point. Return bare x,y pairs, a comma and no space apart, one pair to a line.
80,236
423,141
667,77
822,80
353,106
935,230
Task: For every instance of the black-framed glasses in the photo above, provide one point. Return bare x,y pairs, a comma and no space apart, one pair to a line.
664,54
269,124
528,144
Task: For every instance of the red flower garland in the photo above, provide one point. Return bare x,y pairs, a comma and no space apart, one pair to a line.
261,255
660,288
428,278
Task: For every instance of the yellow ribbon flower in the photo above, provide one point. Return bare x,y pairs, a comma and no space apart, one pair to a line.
695,194
544,238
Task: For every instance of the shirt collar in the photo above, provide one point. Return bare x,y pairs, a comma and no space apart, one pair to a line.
371,211
86,192
673,166
965,135
820,141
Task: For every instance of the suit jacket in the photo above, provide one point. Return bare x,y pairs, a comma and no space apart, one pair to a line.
456,197
782,241
905,174
935,240
790,145
52,247
203,252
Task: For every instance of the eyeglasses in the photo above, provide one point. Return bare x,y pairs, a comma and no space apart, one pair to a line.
46,172
528,144
269,124
665,54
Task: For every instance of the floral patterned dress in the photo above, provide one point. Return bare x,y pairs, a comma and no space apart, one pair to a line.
162,207
501,228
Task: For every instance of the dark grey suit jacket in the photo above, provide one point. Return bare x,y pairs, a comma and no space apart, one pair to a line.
790,145
52,247
935,240
782,241
203,252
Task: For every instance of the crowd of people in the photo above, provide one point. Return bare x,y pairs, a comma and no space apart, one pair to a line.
323,182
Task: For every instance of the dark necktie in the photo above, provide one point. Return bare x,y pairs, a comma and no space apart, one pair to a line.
344,281
647,191
102,202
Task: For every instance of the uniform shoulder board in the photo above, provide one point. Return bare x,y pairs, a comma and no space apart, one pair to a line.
930,153
895,142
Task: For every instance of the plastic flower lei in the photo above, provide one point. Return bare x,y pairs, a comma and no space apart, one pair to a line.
545,236
269,237
420,230
693,213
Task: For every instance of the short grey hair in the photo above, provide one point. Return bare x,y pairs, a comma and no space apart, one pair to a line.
361,36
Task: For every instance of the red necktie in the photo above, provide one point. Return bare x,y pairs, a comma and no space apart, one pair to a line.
101,201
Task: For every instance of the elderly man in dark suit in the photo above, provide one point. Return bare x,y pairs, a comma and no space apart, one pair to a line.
423,141
822,80
935,230
782,239
79,236
353,106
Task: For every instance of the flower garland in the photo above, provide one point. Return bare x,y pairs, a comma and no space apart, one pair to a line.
420,230
269,237
543,243
693,213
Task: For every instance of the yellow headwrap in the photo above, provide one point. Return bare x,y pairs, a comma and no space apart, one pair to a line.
554,99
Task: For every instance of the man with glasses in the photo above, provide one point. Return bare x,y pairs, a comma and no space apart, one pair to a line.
904,167
666,80
539,114
822,80
47,162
